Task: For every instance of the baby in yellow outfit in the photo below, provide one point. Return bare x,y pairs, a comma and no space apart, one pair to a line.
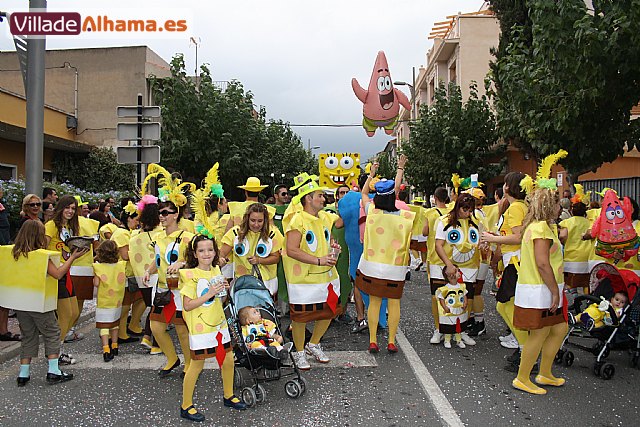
597,315
261,334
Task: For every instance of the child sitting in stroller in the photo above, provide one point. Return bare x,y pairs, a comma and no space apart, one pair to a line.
260,335
598,315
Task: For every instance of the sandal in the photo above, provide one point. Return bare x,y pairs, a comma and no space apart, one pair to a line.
8,336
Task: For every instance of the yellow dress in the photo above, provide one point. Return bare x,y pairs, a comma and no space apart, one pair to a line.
513,217
110,293
121,237
576,250
253,245
207,321
460,246
168,250
418,241
238,209
435,263
142,255
25,284
455,321
385,257
311,284
533,298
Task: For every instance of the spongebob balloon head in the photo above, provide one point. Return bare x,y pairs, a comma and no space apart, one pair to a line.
338,169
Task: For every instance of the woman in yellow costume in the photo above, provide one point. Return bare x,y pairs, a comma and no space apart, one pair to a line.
64,225
255,245
576,249
201,283
457,238
170,247
539,298
383,266
312,279
110,279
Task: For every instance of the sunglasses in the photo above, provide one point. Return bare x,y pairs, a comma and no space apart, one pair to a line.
165,213
34,205
284,194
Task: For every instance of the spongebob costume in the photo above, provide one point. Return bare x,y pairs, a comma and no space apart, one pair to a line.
110,293
336,169
455,321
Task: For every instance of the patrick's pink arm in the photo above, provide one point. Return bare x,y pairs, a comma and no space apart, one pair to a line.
402,99
361,94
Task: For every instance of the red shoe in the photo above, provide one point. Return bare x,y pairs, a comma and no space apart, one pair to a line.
391,348
373,348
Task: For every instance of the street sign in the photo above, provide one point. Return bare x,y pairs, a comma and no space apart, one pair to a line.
129,155
151,111
129,131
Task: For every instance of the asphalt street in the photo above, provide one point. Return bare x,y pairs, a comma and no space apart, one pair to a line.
421,385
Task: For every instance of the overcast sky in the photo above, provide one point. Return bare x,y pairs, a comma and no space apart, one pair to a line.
296,56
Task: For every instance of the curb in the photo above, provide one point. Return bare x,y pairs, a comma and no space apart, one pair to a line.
14,350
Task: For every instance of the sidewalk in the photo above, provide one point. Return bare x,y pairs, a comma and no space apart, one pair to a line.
11,349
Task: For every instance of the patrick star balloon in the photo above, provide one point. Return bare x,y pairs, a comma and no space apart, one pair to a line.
616,237
381,100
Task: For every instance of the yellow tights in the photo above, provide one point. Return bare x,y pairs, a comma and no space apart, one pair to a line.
192,374
137,310
434,312
122,334
548,340
67,313
159,330
393,306
298,330
506,311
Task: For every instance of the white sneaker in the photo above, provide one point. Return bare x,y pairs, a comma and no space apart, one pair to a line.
447,344
300,360
461,344
512,343
466,339
507,337
316,351
436,337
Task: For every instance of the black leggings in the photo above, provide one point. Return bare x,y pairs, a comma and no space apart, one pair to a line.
146,297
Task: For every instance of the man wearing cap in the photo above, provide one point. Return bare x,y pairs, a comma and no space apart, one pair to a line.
83,207
252,189
309,263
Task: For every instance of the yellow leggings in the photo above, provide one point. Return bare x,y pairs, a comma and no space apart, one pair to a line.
298,330
67,314
434,312
393,305
193,372
159,330
548,340
506,311
137,310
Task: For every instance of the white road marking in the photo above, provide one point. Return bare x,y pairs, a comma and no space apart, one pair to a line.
439,401
338,359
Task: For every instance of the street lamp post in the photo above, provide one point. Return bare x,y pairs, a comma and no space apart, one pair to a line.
413,95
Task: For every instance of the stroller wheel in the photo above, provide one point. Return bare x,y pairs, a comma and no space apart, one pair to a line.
249,396
260,393
559,356
608,371
237,377
568,358
597,366
303,384
293,389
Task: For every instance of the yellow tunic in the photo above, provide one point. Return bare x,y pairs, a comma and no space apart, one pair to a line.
206,321
253,245
307,283
386,244
83,266
170,249
531,291
238,209
460,246
121,237
593,214
513,217
455,321
418,223
576,250
25,284
110,290
57,239
142,255
492,213
187,225
435,263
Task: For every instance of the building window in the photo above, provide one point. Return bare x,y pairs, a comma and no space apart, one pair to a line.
453,76
8,172
47,175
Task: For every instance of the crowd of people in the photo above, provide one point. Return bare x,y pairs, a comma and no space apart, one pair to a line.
314,251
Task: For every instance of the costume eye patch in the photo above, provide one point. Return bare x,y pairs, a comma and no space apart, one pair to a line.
172,253
327,235
241,248
263,249
311,240
157,257
473,235
454,236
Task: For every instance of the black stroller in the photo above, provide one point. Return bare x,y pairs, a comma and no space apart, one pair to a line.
250,291
621,334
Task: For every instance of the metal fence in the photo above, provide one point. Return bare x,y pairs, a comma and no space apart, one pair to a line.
624,186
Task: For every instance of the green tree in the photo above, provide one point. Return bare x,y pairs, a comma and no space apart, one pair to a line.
388,165
566,77
203,124
98,171
452,136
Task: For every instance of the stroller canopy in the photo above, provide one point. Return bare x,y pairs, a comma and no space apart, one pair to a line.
625,281
248,291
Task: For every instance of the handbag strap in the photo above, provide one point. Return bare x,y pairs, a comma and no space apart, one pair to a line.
256,272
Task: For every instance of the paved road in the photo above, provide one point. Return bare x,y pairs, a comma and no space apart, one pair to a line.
421,385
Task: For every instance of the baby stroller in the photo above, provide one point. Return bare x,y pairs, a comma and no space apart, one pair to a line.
250,291
604,282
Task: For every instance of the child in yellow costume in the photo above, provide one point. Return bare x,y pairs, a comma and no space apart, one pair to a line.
254,244
452,308
383,266
110,279
261,334
597,315
312,279
33,269
576,249
201,283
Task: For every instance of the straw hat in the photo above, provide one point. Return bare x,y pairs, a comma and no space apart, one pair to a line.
253,185
80,202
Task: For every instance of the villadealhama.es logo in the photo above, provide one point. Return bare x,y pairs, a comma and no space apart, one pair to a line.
127,22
